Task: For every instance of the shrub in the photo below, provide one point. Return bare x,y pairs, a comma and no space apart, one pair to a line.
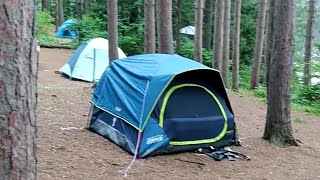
44,22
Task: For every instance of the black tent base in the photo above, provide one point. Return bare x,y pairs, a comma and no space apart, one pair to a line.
173,149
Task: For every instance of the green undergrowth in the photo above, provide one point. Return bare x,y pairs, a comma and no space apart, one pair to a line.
46,30
260,94
303,98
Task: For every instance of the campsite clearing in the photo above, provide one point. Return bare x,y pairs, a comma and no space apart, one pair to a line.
68,151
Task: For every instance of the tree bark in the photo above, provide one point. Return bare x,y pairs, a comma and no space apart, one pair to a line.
308,44
165,33
226,42
278,129
44,4
158,24
59,13
178,26
18,90
79,8
270,32
149,16
207,24
218,34
198,33
113,29
259,45
267,43
236,45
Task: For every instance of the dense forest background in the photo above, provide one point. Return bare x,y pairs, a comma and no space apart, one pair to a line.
91,19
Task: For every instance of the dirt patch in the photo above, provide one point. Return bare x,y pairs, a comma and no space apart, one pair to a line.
67,151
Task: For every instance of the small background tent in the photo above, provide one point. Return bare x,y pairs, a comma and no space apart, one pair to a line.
89,61
158,104
188,30
63,32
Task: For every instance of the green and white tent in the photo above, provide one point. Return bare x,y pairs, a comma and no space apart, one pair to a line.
89,61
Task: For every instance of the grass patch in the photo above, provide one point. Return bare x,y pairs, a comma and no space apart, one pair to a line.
298,120
261,95
314,110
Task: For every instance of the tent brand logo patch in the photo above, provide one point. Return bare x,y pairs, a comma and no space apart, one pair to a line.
154,139
114,120
118,109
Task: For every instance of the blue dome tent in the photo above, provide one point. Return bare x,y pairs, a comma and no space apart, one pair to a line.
64,32
158,103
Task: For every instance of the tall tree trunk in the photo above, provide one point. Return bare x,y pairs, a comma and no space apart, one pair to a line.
218,34
149,20
158,24
259,45
57,20
226,42
178,26
59,13
44,4
18,90
267,42
86,6
308,44
207,24
79,8
236,45
165,33
113,29
278,129
198,33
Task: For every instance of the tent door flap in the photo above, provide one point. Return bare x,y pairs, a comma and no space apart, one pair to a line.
194,130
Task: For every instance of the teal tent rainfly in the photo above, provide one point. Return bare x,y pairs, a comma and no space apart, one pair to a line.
64,32
155,104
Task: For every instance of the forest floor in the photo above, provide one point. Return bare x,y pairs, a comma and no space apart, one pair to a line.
68,151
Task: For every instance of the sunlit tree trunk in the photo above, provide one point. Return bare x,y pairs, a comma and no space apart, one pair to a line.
207,24
255,73
236,45
226,42
218,34
149,20
112,12
308,44
198,33
165,33
278,129
18,90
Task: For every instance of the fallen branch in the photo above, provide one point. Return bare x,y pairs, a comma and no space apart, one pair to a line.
193,162
55,46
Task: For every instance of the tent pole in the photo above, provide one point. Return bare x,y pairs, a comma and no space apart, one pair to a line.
94,64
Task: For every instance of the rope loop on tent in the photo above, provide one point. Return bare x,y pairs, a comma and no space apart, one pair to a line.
135,154
140,132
